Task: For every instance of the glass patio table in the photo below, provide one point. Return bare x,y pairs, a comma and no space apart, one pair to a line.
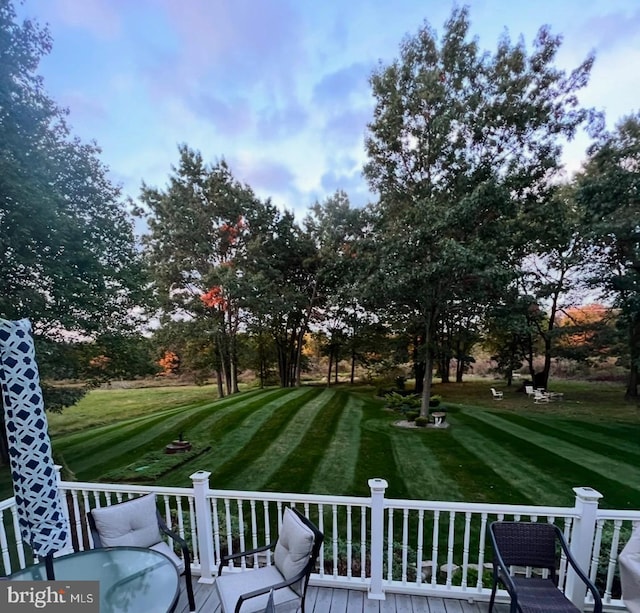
132,579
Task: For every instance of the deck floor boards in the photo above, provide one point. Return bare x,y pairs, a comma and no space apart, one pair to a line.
334,600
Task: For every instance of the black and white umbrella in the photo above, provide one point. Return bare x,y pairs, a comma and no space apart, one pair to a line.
40,515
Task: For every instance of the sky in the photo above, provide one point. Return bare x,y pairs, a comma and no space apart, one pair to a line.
280,88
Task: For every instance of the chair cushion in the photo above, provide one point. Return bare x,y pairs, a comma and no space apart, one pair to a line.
294,545
133,523
232,585
164,548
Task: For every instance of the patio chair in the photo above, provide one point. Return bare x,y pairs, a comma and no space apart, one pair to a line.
539,396
496,395
285,581
137,523
529,390
533,545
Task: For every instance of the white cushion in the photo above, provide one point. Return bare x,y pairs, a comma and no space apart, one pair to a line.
133,523
164,548
232,585
295,542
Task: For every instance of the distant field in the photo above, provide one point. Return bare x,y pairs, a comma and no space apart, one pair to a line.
314,439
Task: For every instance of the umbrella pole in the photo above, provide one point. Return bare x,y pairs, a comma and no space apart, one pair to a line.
48,564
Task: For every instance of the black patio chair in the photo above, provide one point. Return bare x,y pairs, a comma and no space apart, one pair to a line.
533,545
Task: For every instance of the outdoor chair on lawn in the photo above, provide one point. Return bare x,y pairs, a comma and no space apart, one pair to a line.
137,523
529,391
285,581
533,545
539,396
496,395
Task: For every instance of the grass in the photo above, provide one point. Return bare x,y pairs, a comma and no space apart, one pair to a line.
314,439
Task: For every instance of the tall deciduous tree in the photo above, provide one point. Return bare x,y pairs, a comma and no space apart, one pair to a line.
196,245
462,148
68,257
609,193
68,261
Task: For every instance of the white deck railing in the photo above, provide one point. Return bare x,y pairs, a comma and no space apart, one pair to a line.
372,543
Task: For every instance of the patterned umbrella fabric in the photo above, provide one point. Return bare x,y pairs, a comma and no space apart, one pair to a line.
40,514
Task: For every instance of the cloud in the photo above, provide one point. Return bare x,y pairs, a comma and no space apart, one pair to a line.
282,122
338,88
612,30
237,41
348,128
262,174
231,116
100,17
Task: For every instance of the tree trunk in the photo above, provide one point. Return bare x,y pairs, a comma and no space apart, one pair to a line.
428,371
330,370
445,363
303,329
353,367
418,366
459,370
634,351
337,361
219,383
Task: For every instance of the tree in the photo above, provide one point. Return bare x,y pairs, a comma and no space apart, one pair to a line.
462,149
69,259
609,194
199,226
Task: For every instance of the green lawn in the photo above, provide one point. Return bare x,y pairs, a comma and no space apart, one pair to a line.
314,439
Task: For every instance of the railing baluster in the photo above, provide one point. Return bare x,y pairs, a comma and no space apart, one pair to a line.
419,550
349,541
216,532
334,532
481,550
613,558
405,543
465,549
434,548
390,545
321,528
450,545
227,519
241,529
363,542
4,546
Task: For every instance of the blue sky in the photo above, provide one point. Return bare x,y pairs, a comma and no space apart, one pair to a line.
279,88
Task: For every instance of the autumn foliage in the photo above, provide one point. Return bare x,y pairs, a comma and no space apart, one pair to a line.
169,363
215,299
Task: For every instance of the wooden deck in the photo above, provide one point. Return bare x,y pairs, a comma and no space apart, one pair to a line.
329,600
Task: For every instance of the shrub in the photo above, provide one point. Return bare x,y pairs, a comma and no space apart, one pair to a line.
435,401
422,421
411,415
401,402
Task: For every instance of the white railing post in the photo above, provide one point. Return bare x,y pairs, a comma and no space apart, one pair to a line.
200,482
378,487
582,536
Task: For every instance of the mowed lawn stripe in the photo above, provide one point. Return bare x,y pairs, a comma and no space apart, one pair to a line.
296,472
476,480
123,444
236,429
623,438
568,435
523,475
231,474
412,452
552,466
596,462
376,457
338,464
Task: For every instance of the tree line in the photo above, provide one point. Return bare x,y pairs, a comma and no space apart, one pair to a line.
476,233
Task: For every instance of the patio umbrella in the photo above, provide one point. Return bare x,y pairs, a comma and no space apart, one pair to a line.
40,514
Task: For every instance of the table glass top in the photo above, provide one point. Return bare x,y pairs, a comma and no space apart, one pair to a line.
132,580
